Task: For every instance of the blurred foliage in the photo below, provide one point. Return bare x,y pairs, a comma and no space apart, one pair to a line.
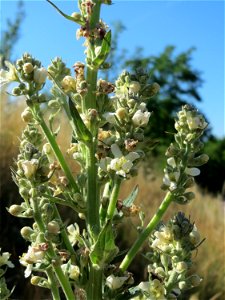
212,176
179,84
10,36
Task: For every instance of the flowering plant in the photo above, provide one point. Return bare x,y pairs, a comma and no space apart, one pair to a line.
108,141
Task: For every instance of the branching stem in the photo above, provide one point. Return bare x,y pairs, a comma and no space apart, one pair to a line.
145,233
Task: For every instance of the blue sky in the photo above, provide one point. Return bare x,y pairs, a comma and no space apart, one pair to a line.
149,24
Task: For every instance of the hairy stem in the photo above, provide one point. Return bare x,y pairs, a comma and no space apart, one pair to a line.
63,280
58,154
145,233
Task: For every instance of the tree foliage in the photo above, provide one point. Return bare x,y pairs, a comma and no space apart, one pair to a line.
11,34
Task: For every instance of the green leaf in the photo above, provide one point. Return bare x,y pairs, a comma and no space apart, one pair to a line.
104,51
130,199
81,130
76,20
104,250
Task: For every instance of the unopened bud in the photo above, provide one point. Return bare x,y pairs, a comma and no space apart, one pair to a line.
26,232
27,115
28,68
15,210
121,113
53,227
40,75
182,285
195,280
194,236
68,84
16,91
134,87
181,267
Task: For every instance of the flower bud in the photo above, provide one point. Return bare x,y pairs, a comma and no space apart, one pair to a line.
28,68
134,87
181,267
192,171
114,282
77,17
69,84
182,285
35,280
195,280
26,232
27,115
121,113
194,236
53,227
40,75
54,104
15,210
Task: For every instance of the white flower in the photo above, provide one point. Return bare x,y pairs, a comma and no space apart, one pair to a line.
154,289
33,255
163,240
40,75
121,164
4,259
30,167
140,118
69,84
171,162
115,282
74,272
8,76
171,179
74,233
110,117
192,171
195,122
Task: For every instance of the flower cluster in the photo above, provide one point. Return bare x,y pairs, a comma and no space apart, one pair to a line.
182,161
4,262
171,259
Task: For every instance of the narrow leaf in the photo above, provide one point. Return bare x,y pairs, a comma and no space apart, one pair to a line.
81,130
104,50
130,199
81,22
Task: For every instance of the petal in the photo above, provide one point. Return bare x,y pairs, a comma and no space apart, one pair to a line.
116,151
132,156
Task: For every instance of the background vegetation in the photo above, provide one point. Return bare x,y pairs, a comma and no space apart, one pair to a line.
179,83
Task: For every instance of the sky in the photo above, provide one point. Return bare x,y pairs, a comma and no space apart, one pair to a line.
151,24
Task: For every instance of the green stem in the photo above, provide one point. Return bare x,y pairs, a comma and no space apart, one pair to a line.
64,233
94,291
63,280
53,284
92,193
58,154
145,233
113,199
